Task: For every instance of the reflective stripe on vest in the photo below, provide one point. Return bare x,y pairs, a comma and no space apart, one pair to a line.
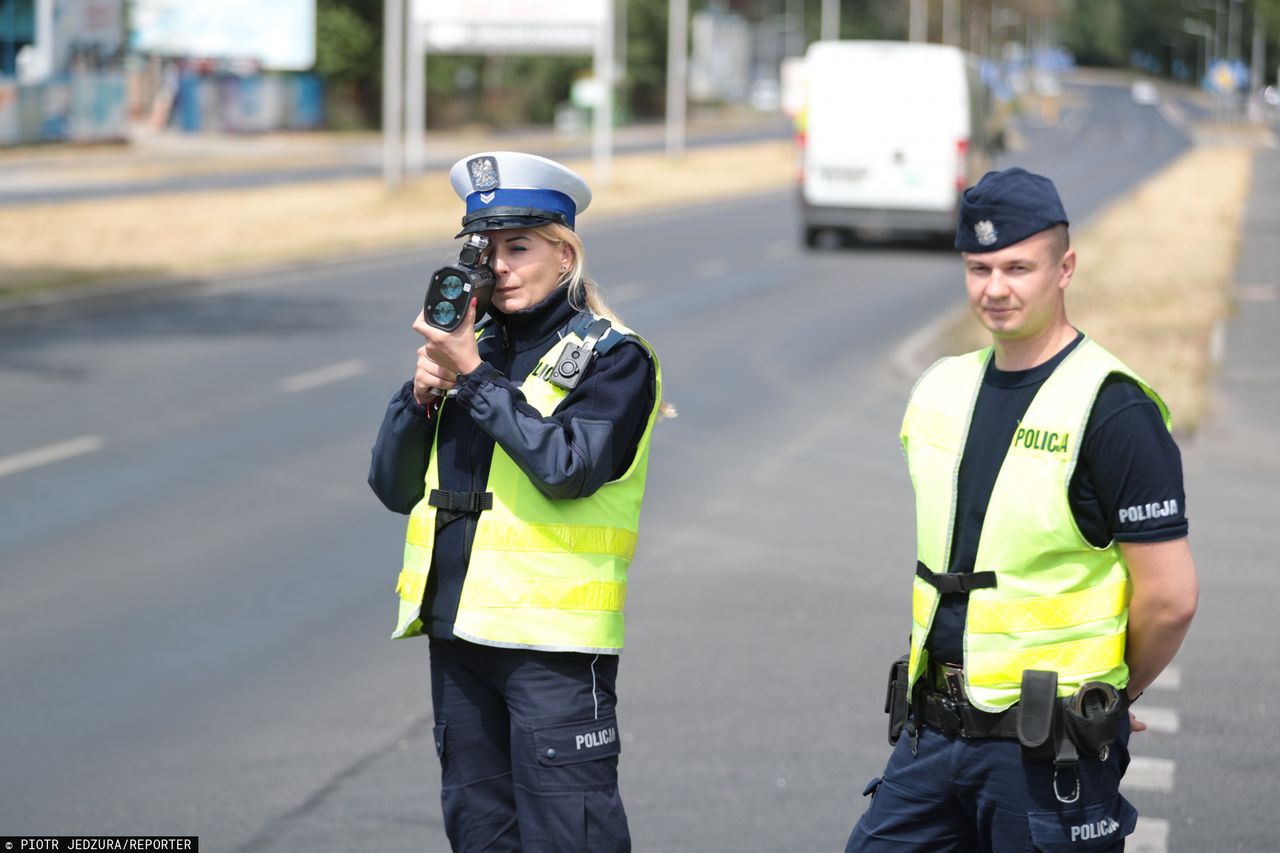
1060,603
543,574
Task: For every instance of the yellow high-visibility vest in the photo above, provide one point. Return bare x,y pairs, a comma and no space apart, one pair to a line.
544,574
1059,603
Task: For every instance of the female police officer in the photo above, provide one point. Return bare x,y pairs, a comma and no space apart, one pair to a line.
523,499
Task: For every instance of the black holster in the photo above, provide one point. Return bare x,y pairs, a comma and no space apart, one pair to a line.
1061,730
1039,719
897,700
1092,716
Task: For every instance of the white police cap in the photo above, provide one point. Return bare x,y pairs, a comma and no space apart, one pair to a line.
508,189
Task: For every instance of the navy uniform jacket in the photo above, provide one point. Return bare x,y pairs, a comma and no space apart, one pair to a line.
589,440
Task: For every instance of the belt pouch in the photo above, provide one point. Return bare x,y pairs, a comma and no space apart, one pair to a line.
895,700
1037,712
1092,717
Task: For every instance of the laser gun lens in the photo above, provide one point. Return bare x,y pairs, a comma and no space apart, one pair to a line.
444,313
451,287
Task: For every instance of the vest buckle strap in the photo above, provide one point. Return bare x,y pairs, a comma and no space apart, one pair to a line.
468,502
951,582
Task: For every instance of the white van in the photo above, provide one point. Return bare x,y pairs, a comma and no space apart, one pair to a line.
892,133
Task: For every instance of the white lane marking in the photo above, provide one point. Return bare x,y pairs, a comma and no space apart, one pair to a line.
711,268
323,376
1159,720
910,358
1173,114
1151,835
778,250
284,274
625,292
1257,292
1149,774
1169,679
50,454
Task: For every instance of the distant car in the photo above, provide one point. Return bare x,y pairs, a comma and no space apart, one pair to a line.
1144,92
766,95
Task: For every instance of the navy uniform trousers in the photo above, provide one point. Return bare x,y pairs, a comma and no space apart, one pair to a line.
960,794
528,744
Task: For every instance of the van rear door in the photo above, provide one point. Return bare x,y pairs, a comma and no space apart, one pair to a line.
887,126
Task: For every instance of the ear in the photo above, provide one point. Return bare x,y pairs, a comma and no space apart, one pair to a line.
566,255
1066,268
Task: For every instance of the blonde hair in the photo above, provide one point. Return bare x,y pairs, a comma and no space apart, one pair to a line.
584,293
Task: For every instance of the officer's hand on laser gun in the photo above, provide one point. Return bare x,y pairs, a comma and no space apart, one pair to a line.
454,352
430,380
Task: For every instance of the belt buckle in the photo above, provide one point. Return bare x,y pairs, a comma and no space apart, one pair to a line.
951,723
953,681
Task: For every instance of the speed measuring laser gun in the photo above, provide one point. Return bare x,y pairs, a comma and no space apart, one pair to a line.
452,287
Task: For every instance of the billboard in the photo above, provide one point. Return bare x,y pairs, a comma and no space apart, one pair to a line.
510,26
279,35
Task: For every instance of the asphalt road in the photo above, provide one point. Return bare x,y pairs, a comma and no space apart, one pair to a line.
195,600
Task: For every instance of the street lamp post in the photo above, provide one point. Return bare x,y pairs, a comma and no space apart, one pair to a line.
392,94
677,73
1200,28
1233,30
951,22
830,20
918,23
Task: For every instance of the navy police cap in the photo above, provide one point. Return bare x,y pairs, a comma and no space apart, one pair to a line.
1006,208
507,189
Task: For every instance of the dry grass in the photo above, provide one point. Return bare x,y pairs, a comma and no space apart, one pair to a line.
186,234
1154,276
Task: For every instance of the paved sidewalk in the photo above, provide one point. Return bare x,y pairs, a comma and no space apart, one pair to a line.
1230,681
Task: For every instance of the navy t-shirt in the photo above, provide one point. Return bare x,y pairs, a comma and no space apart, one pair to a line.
1127,461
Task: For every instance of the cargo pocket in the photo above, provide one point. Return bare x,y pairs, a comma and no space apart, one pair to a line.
1095,827
576,805
579,755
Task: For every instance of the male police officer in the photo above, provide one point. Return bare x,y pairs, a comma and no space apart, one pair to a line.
1054,581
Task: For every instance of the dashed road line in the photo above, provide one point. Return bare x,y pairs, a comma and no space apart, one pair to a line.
620,293
1149,774
323,376
711,268
1169,679
49,454
779,249
1151,835
1162,721
1257,292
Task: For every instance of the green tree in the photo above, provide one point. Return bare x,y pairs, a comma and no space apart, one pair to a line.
1096,33
349,59
348,47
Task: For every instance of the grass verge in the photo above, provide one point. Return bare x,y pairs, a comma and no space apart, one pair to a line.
1154,277
182,235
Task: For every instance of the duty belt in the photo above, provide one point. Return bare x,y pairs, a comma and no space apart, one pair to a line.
944,707
939,711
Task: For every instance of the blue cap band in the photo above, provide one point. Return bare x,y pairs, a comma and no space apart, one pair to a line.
549,200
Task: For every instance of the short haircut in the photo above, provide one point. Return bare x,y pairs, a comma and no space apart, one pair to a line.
1061,239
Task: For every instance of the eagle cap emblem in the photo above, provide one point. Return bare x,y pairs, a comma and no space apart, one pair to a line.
985,231
484,173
